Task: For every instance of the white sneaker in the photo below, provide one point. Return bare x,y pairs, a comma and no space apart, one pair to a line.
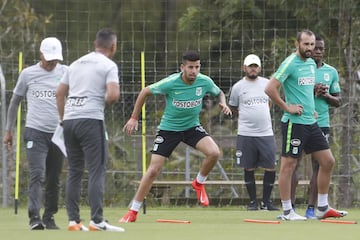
292,216
74,226
104,226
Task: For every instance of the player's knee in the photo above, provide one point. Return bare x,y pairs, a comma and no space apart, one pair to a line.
214,154
328,164
153,171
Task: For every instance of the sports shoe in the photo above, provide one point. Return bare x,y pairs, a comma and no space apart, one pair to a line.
50,223
253,206
201,193
268,206
104,226
330,212
36,223
77,226
292,216
310,213
130,216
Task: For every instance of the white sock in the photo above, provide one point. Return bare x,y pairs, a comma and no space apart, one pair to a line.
200,178
323,200
286,204
135,205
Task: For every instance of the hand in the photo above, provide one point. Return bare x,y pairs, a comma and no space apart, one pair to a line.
295,109
8,140
225,109
320,89
131,126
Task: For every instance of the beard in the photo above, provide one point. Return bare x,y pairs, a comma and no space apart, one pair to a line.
305,54
252,76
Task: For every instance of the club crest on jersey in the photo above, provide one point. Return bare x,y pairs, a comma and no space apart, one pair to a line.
326,77
198,91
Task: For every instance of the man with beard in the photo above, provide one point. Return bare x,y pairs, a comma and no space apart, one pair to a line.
180,122
255,138
327,93
300,131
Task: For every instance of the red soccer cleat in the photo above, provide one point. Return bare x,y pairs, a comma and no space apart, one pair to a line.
129,217
330,212
201,193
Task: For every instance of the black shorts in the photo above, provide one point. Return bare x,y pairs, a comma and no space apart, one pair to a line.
299,137
253,152
166,141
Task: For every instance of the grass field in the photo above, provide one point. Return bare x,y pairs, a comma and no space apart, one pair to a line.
206,223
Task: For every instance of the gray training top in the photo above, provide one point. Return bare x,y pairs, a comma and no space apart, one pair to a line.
87,78
40,86
253,106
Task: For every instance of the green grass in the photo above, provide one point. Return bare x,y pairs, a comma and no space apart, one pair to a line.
206,223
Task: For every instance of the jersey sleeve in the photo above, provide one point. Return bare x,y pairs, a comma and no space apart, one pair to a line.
234,99
335,86
112,75
21,85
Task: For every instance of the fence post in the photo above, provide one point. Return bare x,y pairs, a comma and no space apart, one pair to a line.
3,126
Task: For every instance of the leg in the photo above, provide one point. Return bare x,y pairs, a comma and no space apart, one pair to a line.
268,184
310,211
326,162
287,167
210,149
36,151
249,177
76,165
54,163
313,183
156,164
294,184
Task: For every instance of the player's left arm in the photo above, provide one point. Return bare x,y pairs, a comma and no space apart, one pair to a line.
222,103
333,99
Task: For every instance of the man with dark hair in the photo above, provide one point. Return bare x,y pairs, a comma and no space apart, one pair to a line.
91,82
326,94
184,94
296,75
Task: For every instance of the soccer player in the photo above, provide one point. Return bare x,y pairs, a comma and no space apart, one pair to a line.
255,140
184,94
326,93
38,84
91,82
296,75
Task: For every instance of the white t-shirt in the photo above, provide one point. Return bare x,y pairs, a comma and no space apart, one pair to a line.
253,105
87,78
39,86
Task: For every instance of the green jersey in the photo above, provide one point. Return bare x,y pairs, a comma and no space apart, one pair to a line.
183,101
327,75
297,78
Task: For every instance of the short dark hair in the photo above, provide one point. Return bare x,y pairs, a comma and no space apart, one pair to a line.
306,31
191,56
319,38
105,38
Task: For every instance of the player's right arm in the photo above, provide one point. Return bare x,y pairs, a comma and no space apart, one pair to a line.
61,94
11,116
272,90
132,123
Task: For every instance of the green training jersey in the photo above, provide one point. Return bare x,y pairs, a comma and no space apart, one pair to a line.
297,78
183,101
327,75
